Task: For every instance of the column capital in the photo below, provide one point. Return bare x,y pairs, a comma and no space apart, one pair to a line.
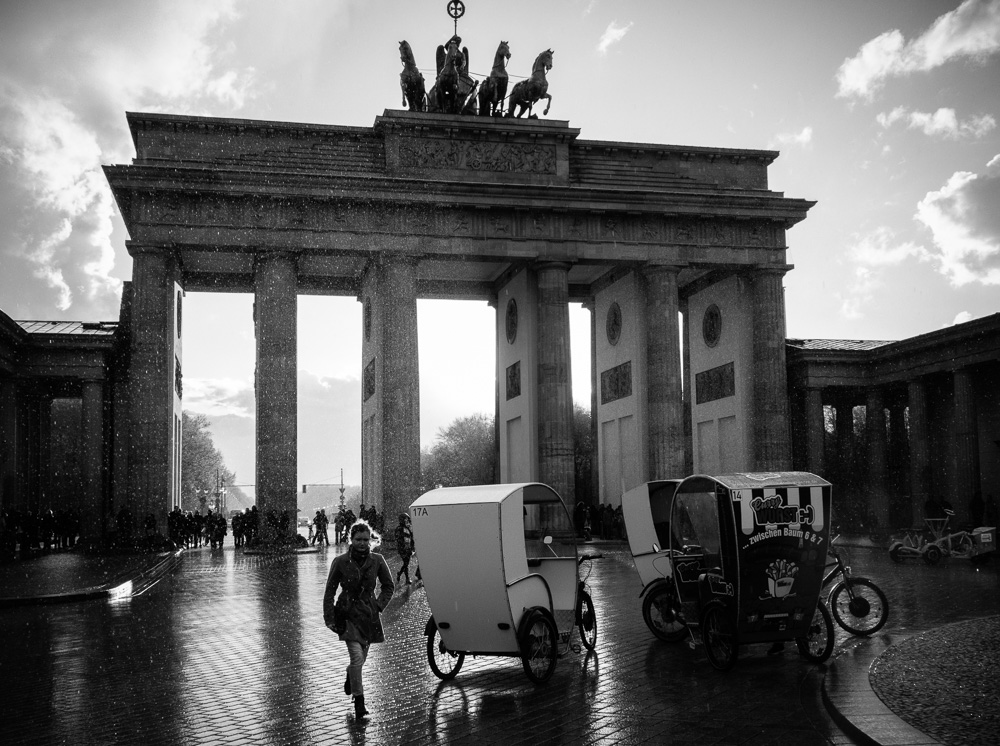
260,257
551,265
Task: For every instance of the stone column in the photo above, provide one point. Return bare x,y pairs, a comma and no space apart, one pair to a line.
688,388
43,477
275,386
845,439
154,379
920,460
966,447
769,409
9,446
877,449
91,460
555,390
595,461
815,431
665,406
400,395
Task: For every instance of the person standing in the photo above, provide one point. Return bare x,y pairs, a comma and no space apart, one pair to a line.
354,613
404,545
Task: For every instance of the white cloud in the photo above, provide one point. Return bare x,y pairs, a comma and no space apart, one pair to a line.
961,318
872,255
803,137
65,82
612,35
965,228
970,31
219,396
943,122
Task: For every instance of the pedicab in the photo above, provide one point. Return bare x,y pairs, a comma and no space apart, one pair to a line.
499,564
733,559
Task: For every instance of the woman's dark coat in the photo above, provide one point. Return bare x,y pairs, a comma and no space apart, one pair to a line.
357,609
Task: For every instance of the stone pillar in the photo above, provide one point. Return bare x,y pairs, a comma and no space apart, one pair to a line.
275,386
555,390
400,399
154,378
92,459
920,460
877,450
815,431
688,388
771,447
966,446
9,446
595,461
43,477
665,406
845,439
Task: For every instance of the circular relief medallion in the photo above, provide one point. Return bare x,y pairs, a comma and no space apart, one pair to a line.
511,321
368,319
711,325
614,323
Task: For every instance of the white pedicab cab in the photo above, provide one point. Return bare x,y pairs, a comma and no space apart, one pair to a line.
499,565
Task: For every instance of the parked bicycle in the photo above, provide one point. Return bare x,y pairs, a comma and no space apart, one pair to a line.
858,605
938,540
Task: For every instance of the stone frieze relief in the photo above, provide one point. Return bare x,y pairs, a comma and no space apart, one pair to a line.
477,156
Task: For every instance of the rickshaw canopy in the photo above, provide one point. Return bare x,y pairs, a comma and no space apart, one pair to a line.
474,545
646,511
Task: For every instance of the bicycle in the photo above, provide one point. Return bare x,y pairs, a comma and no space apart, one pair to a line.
857,604
586,617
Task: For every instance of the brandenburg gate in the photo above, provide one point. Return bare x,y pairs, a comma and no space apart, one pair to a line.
521,213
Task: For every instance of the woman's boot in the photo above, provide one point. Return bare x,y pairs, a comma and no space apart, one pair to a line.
359,708
347,684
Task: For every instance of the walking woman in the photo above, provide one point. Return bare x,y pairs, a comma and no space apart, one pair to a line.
354,614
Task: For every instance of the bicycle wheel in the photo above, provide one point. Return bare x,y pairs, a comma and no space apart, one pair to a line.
538,640
718,631
817,644
963,547
660,611
444,663
859,606
586,620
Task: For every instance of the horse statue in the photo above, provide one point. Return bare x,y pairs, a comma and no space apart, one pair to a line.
527,92
454,91
494,89
410,80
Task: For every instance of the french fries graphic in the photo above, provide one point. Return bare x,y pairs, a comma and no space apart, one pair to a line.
780,577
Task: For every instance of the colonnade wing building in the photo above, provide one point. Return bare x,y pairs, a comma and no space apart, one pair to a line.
521,213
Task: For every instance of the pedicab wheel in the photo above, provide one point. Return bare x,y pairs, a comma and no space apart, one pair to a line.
660,612
586,620
932,554
718,632
894,552
817,645
538,641
444,663
861,609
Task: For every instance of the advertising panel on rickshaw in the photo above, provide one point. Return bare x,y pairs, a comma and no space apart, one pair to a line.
782,528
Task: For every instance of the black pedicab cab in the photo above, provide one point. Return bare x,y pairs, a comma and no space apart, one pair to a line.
743,564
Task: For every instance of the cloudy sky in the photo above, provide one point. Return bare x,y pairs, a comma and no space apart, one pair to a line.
885,113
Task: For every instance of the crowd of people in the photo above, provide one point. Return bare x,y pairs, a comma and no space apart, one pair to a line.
27,533
603,522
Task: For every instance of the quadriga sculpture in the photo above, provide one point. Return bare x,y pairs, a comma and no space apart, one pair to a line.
410,80
527,92
494,89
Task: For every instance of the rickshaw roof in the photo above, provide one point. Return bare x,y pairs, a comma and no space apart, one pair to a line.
752,480
533,492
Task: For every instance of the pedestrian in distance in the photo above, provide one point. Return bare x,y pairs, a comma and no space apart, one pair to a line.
353,613
404,545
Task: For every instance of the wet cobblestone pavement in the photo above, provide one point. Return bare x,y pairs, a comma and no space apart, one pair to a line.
945,682
232,649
